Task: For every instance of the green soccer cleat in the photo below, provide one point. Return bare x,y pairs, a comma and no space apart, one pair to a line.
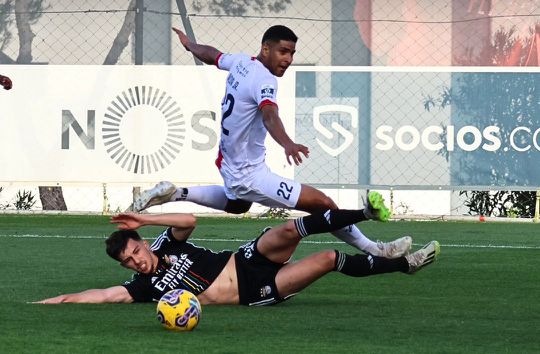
375,208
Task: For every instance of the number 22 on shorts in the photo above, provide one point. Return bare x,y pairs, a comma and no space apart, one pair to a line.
284,190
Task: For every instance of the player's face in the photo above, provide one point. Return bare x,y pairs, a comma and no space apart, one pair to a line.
280,56
137,256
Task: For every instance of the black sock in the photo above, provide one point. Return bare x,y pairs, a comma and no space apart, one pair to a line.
330,220
361,265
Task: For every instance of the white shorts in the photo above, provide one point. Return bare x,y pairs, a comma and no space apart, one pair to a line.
264,187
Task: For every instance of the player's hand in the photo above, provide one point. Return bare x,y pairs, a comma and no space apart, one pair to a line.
183,38
6,82
127,221
293,151
53,300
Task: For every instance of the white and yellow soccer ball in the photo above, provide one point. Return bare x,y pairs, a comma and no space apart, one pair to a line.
179,310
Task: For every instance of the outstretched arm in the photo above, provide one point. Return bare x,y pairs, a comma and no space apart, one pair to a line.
115,294
275,127
205,53
182,224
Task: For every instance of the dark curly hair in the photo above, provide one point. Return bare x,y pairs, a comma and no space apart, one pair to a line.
278,33
118,240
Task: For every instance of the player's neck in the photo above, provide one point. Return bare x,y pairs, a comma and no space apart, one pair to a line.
263,62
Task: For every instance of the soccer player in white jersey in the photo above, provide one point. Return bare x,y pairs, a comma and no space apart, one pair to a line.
249,112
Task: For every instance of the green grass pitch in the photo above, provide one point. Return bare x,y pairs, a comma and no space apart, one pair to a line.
481,296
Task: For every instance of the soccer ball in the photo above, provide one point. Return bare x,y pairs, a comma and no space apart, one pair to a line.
179,310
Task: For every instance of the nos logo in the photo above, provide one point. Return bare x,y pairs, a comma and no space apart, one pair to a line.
143,129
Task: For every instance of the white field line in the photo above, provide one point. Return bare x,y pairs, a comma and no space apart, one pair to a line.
246,240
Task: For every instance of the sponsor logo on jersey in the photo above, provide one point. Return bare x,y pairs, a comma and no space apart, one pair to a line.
267,91
175,274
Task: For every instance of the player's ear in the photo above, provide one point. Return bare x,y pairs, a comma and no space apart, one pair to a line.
265,49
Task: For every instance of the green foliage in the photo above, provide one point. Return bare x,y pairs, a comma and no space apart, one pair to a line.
501,100
3,206
240,7
24,200
5,21
276,213
501,203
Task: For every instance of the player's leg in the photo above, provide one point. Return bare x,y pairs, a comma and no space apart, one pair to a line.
212,196
272,190
294,277
278,244
312,199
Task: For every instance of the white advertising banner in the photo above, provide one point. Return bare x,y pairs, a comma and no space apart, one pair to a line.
119,124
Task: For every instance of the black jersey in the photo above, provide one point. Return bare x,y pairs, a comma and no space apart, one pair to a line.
182,265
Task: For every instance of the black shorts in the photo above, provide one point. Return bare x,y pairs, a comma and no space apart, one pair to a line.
256,276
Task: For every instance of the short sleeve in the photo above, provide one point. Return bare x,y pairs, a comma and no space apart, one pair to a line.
225,61
265,90
139,288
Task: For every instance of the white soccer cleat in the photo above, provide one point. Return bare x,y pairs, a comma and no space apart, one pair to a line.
423,257
160,194
394,249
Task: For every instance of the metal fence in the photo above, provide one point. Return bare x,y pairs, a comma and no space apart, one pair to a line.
332,33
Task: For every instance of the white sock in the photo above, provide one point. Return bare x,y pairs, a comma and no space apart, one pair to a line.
354,237
208,196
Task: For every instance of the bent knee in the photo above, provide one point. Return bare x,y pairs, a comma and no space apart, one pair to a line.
323,203
328,259
329,203
289,230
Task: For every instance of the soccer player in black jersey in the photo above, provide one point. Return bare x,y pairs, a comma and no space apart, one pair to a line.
258,273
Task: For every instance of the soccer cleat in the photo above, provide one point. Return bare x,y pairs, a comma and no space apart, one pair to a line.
375,208
394,249
423,257
160,194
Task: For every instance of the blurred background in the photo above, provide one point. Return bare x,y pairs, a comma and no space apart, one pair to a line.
435,104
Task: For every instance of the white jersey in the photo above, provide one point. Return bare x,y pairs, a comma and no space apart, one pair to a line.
249,87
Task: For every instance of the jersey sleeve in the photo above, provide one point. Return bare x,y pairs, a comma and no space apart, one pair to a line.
264,90
140,288
225,61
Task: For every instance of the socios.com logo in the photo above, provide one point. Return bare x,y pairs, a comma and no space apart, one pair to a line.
143,129
466,138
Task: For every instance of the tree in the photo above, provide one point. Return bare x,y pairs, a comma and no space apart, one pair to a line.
240,7
122,38
27,12
505,100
